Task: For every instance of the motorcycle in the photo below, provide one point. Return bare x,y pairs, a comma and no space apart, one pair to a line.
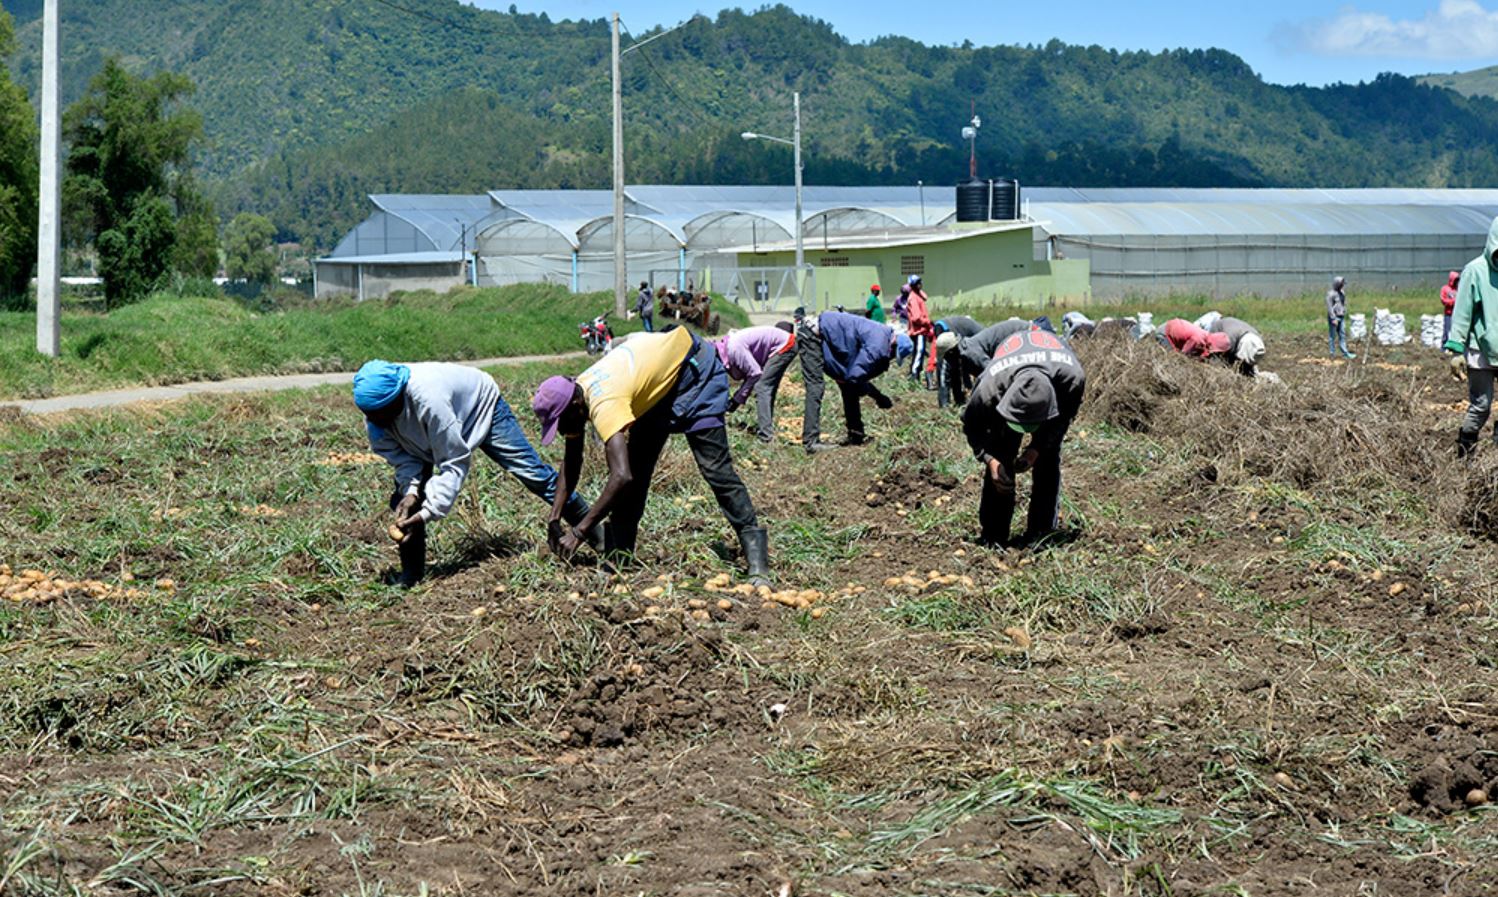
597,335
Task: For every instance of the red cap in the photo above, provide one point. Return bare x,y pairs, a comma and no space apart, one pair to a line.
874,288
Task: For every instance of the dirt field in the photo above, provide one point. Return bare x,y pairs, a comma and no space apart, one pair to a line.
1261,662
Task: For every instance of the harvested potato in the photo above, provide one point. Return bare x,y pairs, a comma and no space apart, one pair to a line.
1396,589
396,534
817,612
1476,797
725,604
1020,637
701,615
696,603
653,593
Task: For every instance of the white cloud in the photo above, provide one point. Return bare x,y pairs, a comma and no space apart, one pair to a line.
1455,29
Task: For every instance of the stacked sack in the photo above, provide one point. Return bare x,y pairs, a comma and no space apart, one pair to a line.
1430,330
1388,328
1357,327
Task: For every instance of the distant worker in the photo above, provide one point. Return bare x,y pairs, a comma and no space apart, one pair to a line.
1473,340
636,397
852,350
901,310
951,378
645,307
427,420
1033,386
1448,302
921,332
1073,322
758,358
973,353
1336,318
1245,344
873,309
1192,341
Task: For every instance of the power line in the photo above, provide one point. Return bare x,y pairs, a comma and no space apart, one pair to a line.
688,104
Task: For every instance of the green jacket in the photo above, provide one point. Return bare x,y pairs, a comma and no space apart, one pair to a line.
874,309
1474,320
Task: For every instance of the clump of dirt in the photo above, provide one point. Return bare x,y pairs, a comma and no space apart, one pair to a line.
1456,767
913,487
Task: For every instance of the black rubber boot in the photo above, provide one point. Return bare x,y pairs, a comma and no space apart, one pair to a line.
755,540
413,555
1466,445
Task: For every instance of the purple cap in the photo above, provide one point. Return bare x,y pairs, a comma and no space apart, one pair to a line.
551,401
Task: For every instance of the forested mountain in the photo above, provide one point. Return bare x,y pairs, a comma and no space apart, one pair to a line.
310,104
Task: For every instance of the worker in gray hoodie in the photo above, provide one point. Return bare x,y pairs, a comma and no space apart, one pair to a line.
1033,386
1336,318
1246,346
428,421
1473,341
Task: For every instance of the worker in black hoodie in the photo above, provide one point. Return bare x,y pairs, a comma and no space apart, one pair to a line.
1033,386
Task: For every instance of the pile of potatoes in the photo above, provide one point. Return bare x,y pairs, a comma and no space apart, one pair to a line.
338,459
933,580
37,587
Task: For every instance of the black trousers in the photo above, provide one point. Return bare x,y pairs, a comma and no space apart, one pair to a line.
647,437
996,506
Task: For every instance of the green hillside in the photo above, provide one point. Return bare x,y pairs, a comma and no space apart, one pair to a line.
1476,83
310,104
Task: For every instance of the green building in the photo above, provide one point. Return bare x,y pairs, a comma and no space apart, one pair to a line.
972,265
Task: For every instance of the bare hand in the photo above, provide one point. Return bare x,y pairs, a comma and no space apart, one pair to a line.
407,506
568,544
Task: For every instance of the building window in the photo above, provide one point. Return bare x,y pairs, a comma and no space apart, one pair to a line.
912,264
833,261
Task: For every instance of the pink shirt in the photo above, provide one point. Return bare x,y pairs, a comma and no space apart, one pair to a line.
745,353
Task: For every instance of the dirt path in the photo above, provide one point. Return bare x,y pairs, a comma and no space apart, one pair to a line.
111,398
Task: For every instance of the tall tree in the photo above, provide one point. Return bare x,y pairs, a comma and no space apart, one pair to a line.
18,177
129,179
248,254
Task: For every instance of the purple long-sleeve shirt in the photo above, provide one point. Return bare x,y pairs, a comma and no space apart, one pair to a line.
745,353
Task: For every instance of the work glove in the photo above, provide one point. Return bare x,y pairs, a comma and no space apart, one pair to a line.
1000,477
1457,366
1026,461
884,402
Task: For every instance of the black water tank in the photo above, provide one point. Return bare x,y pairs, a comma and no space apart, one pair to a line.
973,200
1005,200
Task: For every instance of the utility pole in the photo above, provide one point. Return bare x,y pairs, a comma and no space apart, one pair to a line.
796,138
620,272
48,332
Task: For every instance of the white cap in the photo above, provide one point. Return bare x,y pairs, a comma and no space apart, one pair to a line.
1250,348
946,341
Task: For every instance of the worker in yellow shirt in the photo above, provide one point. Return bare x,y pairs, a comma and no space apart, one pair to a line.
636,396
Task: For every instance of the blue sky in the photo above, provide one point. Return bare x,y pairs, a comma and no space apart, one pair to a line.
1286,41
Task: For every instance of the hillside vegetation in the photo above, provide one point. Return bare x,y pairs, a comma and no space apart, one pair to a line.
313,103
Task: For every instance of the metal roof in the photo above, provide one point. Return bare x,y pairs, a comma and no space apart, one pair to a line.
446,219
887,238
681,209
397,258
1257,218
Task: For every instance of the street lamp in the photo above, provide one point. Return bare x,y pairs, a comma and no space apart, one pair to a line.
794,143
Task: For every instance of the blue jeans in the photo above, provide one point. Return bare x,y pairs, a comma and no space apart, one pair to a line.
1336,330
649,322
510,449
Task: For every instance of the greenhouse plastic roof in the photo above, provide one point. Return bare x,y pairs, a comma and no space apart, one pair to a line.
442,217
1064,210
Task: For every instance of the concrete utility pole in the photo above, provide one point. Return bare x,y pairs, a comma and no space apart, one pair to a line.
48,332
800,251
620,267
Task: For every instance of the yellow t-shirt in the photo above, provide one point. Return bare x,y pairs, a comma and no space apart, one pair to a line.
630,380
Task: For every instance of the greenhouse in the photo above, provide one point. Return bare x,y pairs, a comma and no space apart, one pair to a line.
1138,241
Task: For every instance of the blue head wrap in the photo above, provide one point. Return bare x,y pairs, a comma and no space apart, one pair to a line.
379,383
903,345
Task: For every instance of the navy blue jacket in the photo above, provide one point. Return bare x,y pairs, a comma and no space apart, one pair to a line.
854,348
